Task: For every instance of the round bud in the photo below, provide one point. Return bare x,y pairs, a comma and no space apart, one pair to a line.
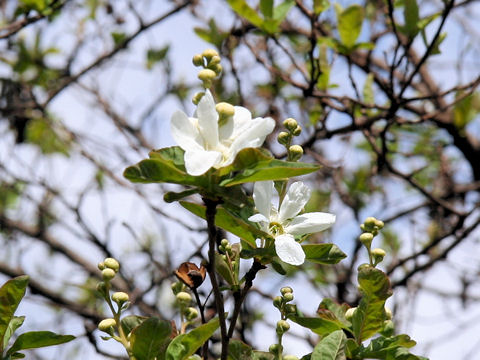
106,325
210,53
380,253
296,152
184,297
111,263
290,309
228,249
283,138
363,267
197,60
225,258
275,348
290,357
101,266
176,287
297,131
224,242
349,313
225,109
207,75
215,60
191,313
370,222
108,274
379,224
286,290
197,97
217,68
120,297
282,326
366,239
277,301
288,297
388,313
290,123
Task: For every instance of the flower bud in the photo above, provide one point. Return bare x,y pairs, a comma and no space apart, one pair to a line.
176,287
283,138
366,239
363,267
297,131
349,313
282,327
378,255
215,60
288,297
207,75
291,124
286,290
277,301
191,313
197,60
197,97
108,274
275,348
184,297
224,242
379,224
107,325
111,263
225,109
120,297
370,222
217,68
290,309
296,152
101,266
388,313
210,53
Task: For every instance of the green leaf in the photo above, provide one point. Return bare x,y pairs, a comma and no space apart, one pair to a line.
324,79
465,109
244,10
395,347
368,96
11,293
118,38
281,11
229,222
410,14
38,5
335,308
270,170
40,132
186,344
266,7
14,324
349,23
331,347
323,253
318,325
156,55
164,166
130,322
223,269
238,350
38,339
320,6
150,339
172,196
212,34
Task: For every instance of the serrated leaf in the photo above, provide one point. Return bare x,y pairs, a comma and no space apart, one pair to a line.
11,293
323,253
186,344
350,22
150,339
331,347
38,339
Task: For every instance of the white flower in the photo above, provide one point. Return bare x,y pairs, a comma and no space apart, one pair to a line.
285,222
207,144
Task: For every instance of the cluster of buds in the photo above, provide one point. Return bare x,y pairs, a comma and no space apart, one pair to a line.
183,300
295,152
371,228
209,60
282,302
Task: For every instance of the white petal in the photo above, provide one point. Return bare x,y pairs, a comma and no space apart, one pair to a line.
208,119
184,132
241,119
288,250
258,218
253,136
262,196
198,162
310,223
295,199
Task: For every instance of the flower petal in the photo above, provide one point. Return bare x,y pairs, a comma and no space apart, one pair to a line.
208,120
288,250
184,132
310,223
258,218
198,162
262,196
295,199
252,136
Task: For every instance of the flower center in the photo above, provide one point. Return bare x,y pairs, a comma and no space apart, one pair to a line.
275,228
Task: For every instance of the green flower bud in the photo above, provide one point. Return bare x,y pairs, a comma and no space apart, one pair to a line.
101,266
286,290
289,357
217,68
275,348
297,131
288,297
224,242
108,274
176,287
349,313
225,109
370,222
378,255
197,60
379,224
210,53
277,301
191,313
296,152
228,249
363,267
291,124
215,60
290,309
283,138
197,97
111,263
366,239
120,297
282,327
184,297
207,75
388,313
107,325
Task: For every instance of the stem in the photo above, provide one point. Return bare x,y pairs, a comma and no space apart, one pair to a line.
212,241
116,316
202,314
